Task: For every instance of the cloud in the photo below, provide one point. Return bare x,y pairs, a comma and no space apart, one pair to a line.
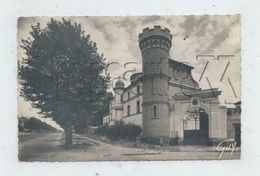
210,31
194,24
150,19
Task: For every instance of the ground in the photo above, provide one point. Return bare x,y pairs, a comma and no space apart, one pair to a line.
49,147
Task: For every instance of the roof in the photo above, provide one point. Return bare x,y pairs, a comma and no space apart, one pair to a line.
135,76
119,84
176,63
238,103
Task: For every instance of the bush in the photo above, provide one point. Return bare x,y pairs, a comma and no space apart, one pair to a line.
151,140
120,131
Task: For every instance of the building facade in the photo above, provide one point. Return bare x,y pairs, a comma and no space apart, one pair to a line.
165,100
234,123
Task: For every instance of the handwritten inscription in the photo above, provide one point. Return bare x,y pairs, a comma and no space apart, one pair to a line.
227,145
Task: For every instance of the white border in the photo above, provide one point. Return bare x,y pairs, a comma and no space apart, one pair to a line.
250,22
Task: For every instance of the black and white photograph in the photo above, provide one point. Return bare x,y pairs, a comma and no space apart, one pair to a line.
132,88
129,88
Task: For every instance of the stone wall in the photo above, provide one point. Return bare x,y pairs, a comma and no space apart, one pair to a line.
134,119
157,126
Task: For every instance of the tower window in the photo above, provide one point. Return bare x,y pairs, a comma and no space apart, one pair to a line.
138,107
128,110
154,111
128,95
121,98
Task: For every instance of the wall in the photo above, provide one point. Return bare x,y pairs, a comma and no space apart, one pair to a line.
134,119
134,98
233,117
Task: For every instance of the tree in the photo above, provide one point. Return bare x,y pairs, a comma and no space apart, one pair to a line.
62,74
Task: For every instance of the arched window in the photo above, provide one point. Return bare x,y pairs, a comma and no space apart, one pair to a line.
154,111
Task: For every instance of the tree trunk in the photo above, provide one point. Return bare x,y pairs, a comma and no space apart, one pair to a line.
68,136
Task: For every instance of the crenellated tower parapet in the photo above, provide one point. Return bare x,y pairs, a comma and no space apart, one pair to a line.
155,38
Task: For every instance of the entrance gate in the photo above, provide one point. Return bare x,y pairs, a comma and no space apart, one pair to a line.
198,136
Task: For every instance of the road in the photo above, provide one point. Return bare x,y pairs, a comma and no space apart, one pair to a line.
49,147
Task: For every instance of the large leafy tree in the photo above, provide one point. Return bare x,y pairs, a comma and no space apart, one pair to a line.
62,74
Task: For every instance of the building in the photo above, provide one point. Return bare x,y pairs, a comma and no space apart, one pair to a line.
165,100
234,123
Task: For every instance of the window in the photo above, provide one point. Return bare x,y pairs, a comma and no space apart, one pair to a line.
121,97
128,95
138,107
154,111
128,110
138,90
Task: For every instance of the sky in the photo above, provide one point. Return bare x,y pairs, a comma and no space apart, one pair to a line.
117,39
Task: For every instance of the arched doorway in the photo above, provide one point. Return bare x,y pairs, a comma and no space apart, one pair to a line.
196,131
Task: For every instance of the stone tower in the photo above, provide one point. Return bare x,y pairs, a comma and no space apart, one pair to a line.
155,45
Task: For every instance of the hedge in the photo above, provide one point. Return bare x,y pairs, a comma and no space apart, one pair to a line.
120,131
